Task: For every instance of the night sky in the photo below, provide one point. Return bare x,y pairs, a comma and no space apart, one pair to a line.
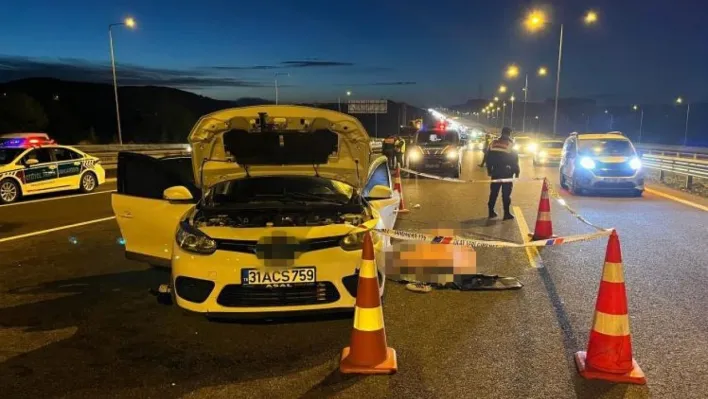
423,52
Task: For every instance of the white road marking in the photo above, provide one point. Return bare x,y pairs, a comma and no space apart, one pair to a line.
56,198
532,252
70,226
677,199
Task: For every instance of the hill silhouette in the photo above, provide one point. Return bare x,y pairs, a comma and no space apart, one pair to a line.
74,112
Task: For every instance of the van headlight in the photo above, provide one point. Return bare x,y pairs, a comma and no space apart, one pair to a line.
353,241
192,240
415,154
587,163
516,147
635,163
531,147
452,154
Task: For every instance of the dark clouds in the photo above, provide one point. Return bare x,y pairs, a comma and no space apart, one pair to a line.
380,84
284,65
15,67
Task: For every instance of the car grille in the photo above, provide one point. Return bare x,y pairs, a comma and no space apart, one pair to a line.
605,169
249,246
259,296
607,185
432,151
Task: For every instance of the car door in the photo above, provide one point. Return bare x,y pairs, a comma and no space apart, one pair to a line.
147,221
68,167
387,208
41,176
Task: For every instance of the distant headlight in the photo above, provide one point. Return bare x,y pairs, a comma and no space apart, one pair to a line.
635,163
531,147
543,154
452,154
516,147
587,163
192,240
415,154
352,242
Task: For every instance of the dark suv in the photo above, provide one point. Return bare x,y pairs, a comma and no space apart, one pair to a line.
436,149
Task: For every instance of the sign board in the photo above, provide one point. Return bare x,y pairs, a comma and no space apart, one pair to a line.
367,107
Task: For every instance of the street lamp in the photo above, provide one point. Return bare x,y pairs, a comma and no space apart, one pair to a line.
512,71
612,118
535,21
502,89
538,124
130,23
339,100
496,99
276,84
641,121
679,101
511,117
542,71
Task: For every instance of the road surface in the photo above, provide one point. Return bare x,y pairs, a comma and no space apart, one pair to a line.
77,321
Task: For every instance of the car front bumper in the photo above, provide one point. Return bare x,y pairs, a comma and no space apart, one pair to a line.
433,162
589,181
211,284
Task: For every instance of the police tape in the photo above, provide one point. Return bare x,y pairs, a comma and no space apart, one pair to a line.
551,190
468,242
454,180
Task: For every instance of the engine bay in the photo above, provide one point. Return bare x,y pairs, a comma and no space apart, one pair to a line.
353,214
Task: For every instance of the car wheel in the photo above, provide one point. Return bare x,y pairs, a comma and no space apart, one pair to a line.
9,191
457,172
88,182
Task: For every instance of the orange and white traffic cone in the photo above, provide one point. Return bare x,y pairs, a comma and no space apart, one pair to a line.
609,354
399,189
367,352
544,227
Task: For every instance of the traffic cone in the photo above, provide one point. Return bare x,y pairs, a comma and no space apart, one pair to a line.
367,352
399,188
609,354
544,227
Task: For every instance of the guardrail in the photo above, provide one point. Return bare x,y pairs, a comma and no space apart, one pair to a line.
690,168
108,154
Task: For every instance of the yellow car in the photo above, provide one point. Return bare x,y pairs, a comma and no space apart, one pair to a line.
549,152
30,163
525,145
267,218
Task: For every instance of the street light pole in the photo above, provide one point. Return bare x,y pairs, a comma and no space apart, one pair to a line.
685,132
558,74
130,23
276,84
511,118
526,94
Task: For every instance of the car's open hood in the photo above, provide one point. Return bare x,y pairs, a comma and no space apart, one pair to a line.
303,141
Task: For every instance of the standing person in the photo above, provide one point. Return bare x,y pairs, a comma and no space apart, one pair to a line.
487,141
502,163
399,149
387,148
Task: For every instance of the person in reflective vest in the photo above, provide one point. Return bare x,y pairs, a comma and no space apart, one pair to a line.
502,163
387,148
399,149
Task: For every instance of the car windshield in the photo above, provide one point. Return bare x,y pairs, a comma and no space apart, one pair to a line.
282,189
606,147
552,144
8,155
436,137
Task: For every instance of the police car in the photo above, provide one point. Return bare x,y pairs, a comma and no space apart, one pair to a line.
32,163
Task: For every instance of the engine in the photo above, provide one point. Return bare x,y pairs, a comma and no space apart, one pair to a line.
314,216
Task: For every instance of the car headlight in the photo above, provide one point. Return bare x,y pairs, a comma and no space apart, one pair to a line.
415,154
543,154
587,163
352,242
451,154
192,240
516,147
635,163
531,148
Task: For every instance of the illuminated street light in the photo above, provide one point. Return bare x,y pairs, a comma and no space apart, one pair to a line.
542,71
276,84
641,121
512,71
349,93
612,118
502,89
680,101
496,99
130,23
491,104
535,21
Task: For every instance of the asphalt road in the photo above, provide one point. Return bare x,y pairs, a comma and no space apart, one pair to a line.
76,319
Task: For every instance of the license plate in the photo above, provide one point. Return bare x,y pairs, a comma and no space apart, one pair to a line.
614,180
298,275
432,165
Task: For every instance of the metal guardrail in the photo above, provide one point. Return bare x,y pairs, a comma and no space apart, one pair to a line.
108,154
689,167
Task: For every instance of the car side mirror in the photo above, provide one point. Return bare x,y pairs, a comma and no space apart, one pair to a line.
31,161
177,193
379,192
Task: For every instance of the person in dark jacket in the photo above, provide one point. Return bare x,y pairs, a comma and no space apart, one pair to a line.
502,163
388,149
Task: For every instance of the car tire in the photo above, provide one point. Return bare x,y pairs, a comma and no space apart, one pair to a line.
457,172
88,182
10,191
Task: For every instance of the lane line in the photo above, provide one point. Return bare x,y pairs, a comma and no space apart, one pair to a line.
56,198
677,199
531,252
111,180
70,226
